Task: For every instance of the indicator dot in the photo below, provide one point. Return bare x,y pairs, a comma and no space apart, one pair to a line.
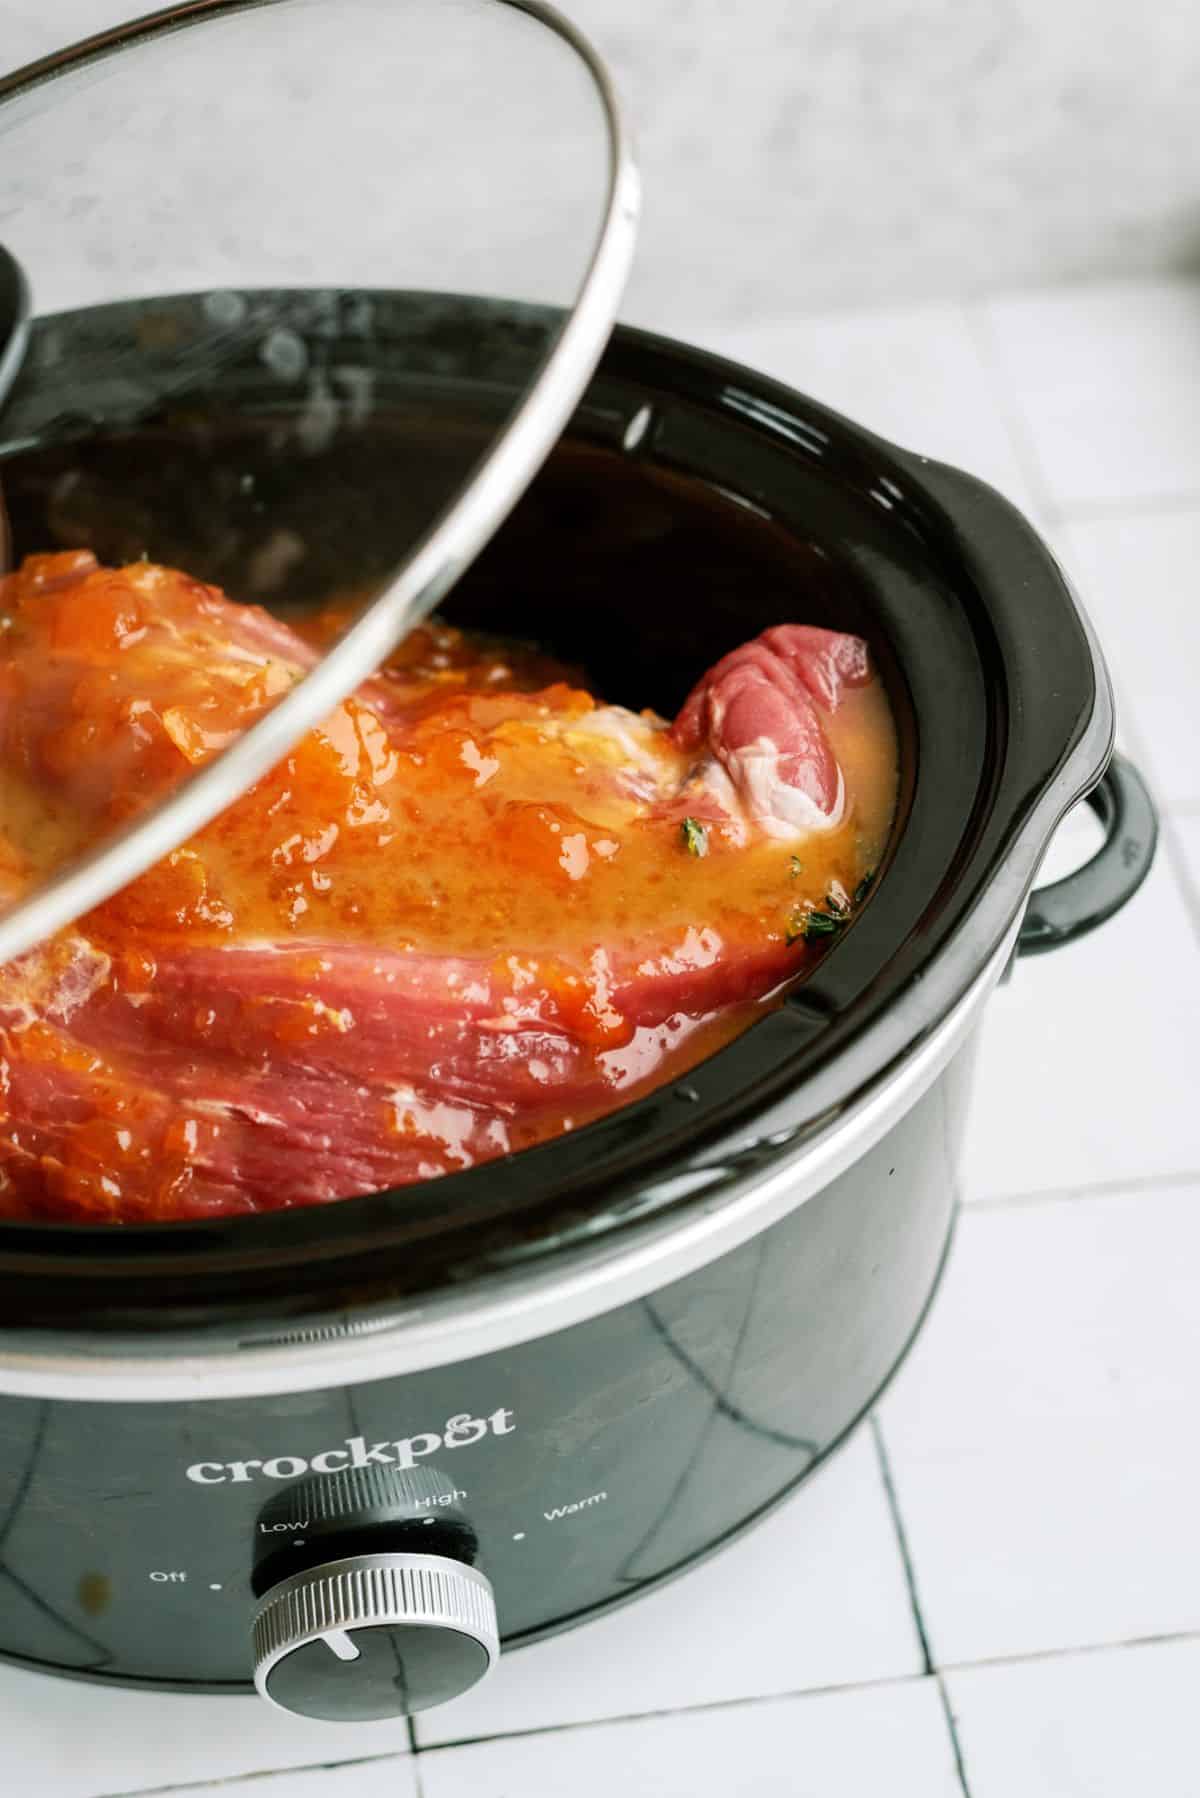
427,1520
520,1536
216,1587
299,1542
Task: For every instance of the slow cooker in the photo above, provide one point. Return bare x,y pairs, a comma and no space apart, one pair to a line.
346,1453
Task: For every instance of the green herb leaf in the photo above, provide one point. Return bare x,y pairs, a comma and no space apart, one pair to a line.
863,887
808,922
695,837
797,867
823,923
827,919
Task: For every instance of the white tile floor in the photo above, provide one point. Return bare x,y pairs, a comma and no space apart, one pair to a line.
1117,1723
1041,1443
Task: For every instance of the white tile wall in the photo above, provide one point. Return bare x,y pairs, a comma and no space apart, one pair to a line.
805,156
1042,1442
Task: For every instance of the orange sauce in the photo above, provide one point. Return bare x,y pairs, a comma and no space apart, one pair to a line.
474,800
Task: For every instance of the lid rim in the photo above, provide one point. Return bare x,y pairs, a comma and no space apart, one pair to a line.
427,572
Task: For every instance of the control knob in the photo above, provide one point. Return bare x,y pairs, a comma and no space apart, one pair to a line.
368,1604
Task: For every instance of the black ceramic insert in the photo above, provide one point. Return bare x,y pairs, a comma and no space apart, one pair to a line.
690,505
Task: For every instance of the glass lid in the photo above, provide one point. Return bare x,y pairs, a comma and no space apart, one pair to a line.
242,197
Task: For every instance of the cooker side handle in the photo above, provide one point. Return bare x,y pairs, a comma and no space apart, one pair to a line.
1071,907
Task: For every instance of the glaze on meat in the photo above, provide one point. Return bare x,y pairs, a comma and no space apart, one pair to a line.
475,908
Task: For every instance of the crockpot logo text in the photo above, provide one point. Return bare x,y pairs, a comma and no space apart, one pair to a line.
457,1432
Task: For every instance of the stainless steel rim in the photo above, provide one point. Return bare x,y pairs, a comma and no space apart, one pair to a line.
521,1307
440,559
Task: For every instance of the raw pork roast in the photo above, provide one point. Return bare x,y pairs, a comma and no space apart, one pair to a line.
475,908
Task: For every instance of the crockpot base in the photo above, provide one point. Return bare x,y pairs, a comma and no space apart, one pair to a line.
245,1688
581,1368
577,1471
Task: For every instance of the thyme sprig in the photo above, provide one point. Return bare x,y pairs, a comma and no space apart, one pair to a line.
809,922
695,837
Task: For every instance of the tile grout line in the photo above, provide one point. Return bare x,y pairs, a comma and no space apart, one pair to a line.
223,1780
910,1579
745,1702
1060,518
1169,844
1009,411
1133,507
1031,1656
960,1766
415,1747
985,1663
917,303
516,1735
1094,1189
1053,511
